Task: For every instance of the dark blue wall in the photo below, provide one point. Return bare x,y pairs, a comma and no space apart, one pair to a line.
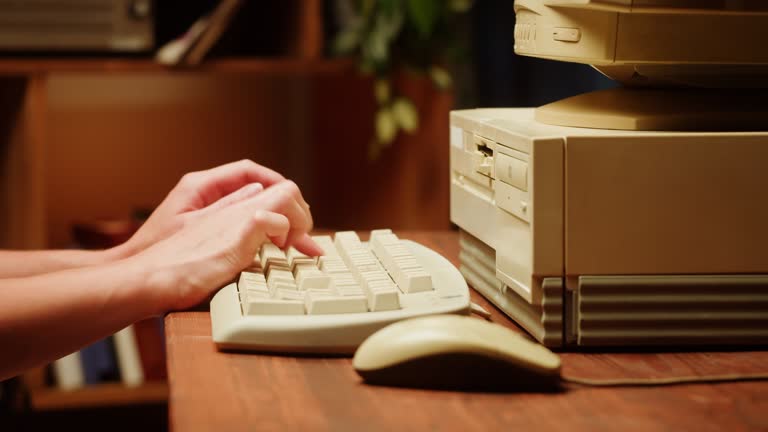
503,78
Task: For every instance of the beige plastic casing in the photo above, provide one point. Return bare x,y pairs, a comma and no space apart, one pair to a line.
661,110
647,41
523,223
600,203
685,202
422,337
338,333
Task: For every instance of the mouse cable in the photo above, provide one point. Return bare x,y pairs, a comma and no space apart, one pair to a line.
651,382
479,310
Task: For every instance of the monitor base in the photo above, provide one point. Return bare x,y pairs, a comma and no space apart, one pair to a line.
645,109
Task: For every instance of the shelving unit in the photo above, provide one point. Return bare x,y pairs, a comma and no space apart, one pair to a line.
46,398
33,68
23,94
101,395
23,108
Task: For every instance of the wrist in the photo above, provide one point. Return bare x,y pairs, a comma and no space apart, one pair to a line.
119,252
152,285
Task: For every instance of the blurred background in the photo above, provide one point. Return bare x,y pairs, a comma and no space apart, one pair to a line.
105,104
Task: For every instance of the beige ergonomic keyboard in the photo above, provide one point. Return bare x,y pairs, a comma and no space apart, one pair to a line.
289,302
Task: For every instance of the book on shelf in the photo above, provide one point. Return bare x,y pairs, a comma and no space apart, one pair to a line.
99,363
133,355
192,47
217,24
128,360
173,52
68,372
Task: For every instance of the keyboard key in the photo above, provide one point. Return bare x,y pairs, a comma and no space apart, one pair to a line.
382,294
383,300
279,278
294,258
321,303
409,275
350,277
311,278
346,240
252,281
269,306
332,264
270,255
326,244
287,293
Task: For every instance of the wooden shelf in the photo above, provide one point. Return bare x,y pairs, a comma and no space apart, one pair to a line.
108,394
33,66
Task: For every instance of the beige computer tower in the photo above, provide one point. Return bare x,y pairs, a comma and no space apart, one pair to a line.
603,237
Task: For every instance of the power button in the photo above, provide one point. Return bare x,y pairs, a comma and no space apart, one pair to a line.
566,34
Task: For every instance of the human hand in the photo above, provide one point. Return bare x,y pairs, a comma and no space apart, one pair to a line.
210,251
200,193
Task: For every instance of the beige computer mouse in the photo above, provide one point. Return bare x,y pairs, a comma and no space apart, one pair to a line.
456,352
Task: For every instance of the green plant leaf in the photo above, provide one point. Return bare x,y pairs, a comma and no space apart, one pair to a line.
406,115
347,41
440,77
376,47
386,127
380,37
390,23
368,7
459,6
389,6
423,14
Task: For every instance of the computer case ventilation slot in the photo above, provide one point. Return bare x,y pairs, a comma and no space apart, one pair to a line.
664,310
544,322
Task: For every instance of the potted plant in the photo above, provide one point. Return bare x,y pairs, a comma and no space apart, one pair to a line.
390,38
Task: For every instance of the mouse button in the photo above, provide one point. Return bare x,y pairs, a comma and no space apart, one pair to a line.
530,354
489,333
515,347
383,352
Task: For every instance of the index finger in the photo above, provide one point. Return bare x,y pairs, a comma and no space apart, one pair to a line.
306,245
218,182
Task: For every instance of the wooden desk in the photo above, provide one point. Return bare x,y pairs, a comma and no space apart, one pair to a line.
210,390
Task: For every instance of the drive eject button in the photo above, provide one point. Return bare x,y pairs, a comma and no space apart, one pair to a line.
512,171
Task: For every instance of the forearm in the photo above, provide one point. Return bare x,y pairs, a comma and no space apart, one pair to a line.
47,316
28,263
